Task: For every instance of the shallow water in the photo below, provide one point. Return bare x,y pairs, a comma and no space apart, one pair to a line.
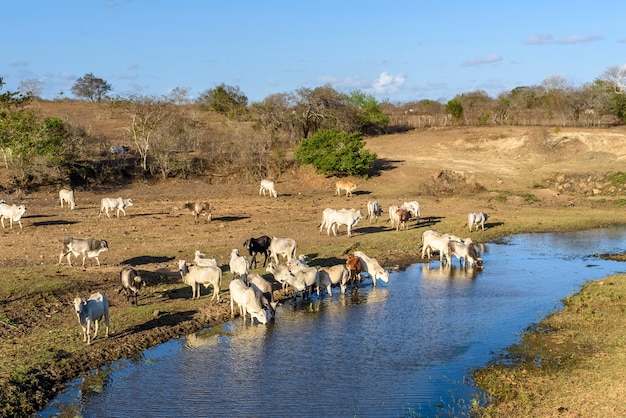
404,348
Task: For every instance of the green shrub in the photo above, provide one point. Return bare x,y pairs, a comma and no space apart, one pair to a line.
335,152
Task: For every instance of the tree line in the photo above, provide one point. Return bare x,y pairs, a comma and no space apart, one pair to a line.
172,137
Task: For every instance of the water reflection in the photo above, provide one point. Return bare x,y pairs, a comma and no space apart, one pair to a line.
448,271
402,348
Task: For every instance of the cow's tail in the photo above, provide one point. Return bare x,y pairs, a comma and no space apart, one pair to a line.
293,252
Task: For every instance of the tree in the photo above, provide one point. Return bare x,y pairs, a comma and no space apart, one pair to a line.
178,95
91,87
616,75
454,108
146,114
32,86
368,113
223,99
336,152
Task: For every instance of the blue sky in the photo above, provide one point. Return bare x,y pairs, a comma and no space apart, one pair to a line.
395,50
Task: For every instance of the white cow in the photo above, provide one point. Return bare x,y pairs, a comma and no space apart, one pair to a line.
334,275
373,210
91,311
69,197
196,276
248,301
333,219
282,246
372,268
308,274
393,215
285,277
269,186
114,203
433,241
414,207
264,288
239,265
12,212
88,247
201,260
466,252
477,218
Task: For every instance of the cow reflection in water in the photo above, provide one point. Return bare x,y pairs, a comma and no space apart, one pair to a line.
448,271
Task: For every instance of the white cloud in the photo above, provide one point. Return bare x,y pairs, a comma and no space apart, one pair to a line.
482,60
577,39
387,83
539,39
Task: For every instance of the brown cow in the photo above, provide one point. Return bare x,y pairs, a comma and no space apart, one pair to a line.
346,185
354,265
403,216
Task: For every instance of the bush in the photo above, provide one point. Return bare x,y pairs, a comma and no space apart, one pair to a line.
335,152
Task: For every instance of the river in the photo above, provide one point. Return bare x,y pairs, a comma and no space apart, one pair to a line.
404,348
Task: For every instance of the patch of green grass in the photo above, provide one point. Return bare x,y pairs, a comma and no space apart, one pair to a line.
529,197
618,179
620,202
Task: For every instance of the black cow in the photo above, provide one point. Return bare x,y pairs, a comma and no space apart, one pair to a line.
256,246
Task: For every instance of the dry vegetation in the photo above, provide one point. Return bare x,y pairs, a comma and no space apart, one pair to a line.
528,179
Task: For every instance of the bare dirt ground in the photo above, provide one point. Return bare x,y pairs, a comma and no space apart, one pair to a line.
529,179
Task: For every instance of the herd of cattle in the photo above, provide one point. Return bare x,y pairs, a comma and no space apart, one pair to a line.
249,291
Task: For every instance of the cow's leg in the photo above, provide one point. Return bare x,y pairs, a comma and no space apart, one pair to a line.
97,260
96,327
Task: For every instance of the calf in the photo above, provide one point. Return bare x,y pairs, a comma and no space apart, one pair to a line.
248,301
69,197
88,247
256,246
91,311
114,203
269,186
348,186
131,284
13,212
198,209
